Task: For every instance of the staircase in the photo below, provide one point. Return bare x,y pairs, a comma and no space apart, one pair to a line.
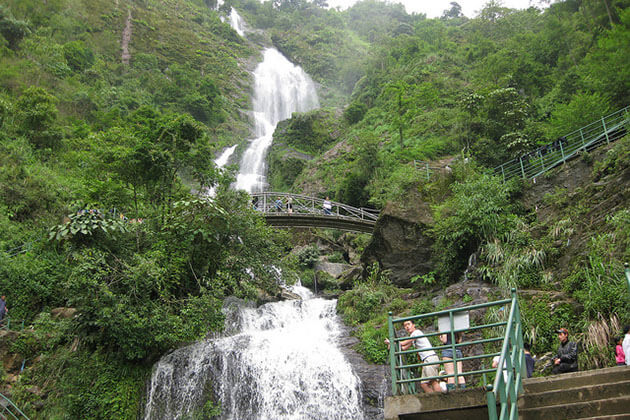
594,394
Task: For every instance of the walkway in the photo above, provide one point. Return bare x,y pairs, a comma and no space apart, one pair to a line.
296,210
535,163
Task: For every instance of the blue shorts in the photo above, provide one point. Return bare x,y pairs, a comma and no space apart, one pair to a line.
449,353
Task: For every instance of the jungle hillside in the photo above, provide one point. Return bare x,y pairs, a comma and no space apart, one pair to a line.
111,113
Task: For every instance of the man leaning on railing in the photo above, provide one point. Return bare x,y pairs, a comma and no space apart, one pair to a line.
427,356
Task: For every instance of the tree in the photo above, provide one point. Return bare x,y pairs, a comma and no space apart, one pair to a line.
400,89
454,12
36,115
12,30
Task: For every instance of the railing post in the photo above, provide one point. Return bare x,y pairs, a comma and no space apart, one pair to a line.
564,160
605,130
522,168
392,353
628,275
492,403
582,137
542,160
451,321
503,173
427,166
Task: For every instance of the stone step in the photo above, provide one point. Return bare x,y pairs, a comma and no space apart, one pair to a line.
570,395
613,417
576,379
600,408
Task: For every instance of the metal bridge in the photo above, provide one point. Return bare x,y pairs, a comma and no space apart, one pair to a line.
296,210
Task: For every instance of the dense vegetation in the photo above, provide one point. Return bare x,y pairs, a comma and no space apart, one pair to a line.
104,158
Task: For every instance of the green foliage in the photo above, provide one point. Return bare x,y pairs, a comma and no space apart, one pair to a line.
354,112
13,30
86,223
78,56
478,211
36,114
308,256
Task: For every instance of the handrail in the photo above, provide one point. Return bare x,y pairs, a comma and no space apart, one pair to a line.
5,324
506,388
275,202
403,381
533,164
11,409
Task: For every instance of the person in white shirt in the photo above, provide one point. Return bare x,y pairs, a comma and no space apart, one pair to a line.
626,343
426,356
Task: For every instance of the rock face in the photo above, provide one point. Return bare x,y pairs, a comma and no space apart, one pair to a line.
375,379
400,242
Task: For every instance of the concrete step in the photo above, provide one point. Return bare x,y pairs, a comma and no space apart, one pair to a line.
613,417
600,408
576,379
584,393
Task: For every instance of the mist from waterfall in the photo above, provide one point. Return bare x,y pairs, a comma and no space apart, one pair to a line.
280,88
277,362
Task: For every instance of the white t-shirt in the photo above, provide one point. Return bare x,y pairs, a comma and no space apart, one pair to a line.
422,343
495,360
625,344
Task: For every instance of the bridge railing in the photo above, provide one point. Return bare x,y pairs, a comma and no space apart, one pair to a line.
536,162
406,366
279,202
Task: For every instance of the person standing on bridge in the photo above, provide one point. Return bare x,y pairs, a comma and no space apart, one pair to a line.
290,205
327,206
278,204
426,356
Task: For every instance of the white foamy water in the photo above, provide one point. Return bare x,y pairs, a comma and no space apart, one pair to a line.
283,364
280,88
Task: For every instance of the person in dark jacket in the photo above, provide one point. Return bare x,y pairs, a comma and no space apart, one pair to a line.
567,358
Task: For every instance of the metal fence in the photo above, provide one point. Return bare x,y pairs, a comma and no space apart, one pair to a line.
405,364
589,137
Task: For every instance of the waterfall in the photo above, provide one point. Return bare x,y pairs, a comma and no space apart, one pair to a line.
221,161
281,362
280,88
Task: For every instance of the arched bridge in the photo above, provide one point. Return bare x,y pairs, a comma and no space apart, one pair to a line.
296,210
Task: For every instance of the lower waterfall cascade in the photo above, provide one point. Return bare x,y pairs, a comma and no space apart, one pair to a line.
277,361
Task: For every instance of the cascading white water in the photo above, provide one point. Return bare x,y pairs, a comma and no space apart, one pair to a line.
280,89
283,363
220,162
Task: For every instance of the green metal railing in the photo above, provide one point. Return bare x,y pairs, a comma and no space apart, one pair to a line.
511,356
506,387
537,162
426,168
6,323
10,410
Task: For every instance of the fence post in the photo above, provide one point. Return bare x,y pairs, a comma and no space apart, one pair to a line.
427,166
582,137
564,160
628,276
503,173
522,169
605,130
392,355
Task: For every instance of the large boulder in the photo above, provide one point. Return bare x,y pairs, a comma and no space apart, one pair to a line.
400,242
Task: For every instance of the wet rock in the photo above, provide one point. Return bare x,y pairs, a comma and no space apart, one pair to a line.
333,269
63,313
375,379
401,243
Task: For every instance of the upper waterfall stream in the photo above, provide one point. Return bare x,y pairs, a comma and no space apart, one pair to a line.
281,362
280,88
